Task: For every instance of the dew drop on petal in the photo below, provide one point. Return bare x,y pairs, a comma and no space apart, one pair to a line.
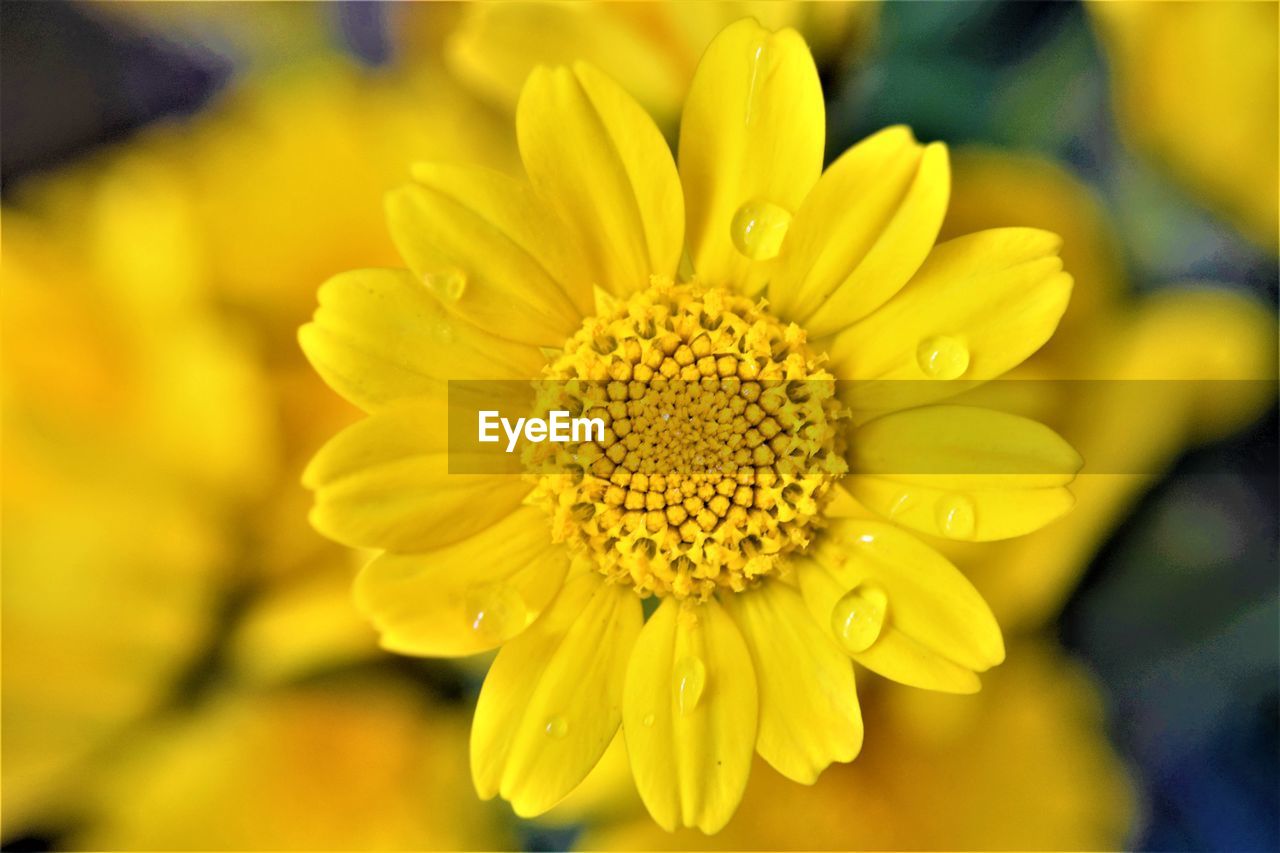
942,357
557,727
956,516
494,612
448,285
648,720
858,617
758,228
689,680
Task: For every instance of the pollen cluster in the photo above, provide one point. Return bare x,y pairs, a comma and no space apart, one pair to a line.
719,448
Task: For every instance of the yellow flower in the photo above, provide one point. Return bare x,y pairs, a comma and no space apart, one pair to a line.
156,411
109,590
767,580
112,344
139,427
157,415
132,421
359,764
1195,87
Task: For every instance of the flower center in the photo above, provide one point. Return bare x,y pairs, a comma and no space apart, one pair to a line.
720,441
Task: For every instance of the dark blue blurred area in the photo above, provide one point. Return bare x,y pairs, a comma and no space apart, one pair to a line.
1179,618
1180,614
363,27
70,81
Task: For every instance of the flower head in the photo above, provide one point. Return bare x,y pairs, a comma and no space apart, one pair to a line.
703,313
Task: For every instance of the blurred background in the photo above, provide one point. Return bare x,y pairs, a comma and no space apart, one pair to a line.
182,667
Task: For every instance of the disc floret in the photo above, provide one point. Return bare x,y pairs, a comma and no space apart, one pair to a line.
719,448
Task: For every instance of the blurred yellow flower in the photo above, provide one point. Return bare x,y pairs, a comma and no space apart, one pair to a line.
1196,86
109,586
360,764
359,131
650,49
157,413
107,343
133,422
587,252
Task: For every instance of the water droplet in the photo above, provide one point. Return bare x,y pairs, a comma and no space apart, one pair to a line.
758,228
942,357
444,332
689,680
557,726
648,720
956,516
447,285
494,612
858,616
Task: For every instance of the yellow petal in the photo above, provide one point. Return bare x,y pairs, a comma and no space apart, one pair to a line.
300,626
931,628
1226,340
384,482
552,700
379,337
809,715
468,597
307,766
978,306
604,795
841,504
863,232
963,446
689,715
962,472
603,166
490,251
898,655
975,514
993,187
1187,80
752,135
